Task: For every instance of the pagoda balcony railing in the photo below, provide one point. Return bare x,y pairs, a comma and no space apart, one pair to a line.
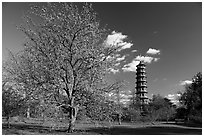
141,74
143,97
141,91
141,84
141,66
143,102
140,70
141,88
141,79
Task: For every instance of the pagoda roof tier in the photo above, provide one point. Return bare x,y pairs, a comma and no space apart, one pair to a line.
141,76
139,92
141,81
138,86
141,73
140,67
140,70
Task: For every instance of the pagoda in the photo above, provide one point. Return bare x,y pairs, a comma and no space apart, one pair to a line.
141,86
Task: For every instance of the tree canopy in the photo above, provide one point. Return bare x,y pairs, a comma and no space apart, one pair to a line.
191,98
65,53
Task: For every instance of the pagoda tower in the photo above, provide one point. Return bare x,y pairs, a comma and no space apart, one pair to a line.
141,86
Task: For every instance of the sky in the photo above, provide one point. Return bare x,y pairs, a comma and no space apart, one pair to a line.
167,36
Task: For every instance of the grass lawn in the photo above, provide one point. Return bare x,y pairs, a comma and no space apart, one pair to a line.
91,129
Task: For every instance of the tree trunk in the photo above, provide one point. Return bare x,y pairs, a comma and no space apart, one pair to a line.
28,112
8,123
119,119
73,115
167,119
43,116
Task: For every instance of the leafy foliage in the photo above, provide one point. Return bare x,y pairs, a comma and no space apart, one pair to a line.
161,108
158,108
65,54
192,98
12,101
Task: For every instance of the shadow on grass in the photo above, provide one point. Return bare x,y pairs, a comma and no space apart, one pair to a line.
151,130
199,125
18,129
29,129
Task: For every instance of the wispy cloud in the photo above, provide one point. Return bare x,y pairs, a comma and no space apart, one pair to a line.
155,32
124,96
164,79
114,71
118,39
153,51
155,80
117,64
134,50
121,58
125,45
174,98
185,82
146,59
156,59
130,66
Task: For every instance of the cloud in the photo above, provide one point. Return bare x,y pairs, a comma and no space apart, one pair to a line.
124,96
146,59
156,59
164,79
131,66
117,39
114,71
155,80
153,51
155,32
126,45
170,96
117,64
120,58
134,51
174,98
126,92
178,95
185,82
117,55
